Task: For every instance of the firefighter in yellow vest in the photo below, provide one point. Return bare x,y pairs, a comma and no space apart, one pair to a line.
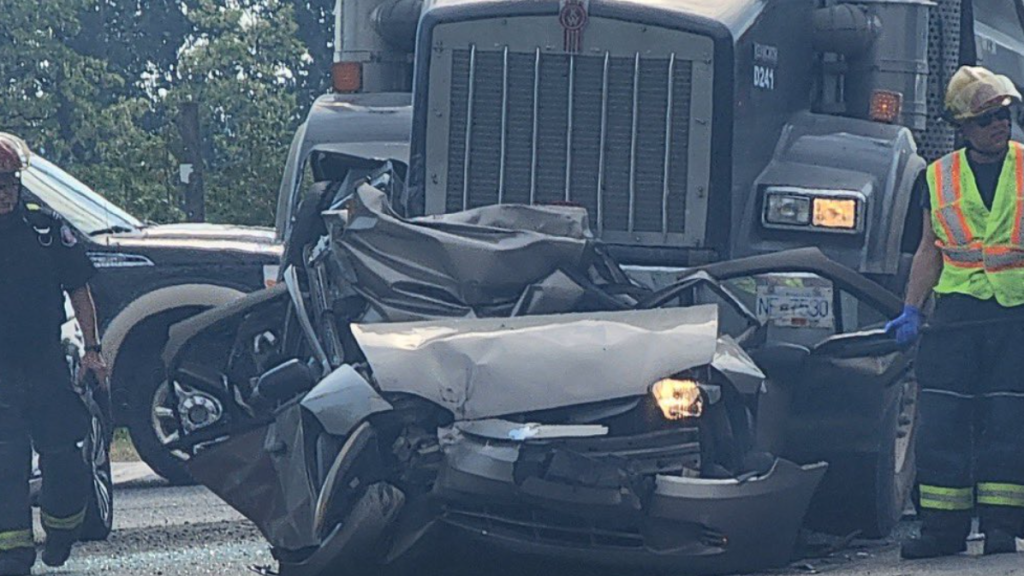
970,444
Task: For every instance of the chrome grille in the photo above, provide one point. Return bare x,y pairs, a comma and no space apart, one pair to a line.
607,132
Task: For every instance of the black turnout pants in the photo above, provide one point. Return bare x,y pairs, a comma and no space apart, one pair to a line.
970,445
39,407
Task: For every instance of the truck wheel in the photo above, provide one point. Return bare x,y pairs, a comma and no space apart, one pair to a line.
151,422
99,512
868,492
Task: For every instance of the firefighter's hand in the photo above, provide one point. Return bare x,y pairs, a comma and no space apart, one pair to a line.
93,362
907,326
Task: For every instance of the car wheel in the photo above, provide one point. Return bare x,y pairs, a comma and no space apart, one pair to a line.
868,492
99,512
152,423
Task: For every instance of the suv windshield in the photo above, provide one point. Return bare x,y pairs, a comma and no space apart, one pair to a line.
76,202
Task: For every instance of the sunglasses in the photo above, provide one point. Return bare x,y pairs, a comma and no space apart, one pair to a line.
990,117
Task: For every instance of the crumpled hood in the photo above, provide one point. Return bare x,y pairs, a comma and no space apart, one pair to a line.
201,236
483,368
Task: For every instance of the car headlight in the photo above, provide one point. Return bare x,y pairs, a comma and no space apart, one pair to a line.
678,398
819,210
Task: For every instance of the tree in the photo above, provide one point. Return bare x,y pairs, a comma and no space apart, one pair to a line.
240,67
94,85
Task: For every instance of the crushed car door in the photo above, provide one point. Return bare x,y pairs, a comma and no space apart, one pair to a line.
842,388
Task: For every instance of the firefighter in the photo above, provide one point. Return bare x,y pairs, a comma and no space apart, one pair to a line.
40,258
970,443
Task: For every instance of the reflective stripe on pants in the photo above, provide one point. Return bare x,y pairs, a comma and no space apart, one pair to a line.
1001,494
945,498
69,523
15,539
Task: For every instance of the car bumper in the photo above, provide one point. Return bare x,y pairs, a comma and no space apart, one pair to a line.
609,515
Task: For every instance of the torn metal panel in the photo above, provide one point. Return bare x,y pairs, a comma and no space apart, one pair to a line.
342,400
453,265
732,361
262,474
554,294
470,366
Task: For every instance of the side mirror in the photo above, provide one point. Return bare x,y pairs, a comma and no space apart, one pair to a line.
284,381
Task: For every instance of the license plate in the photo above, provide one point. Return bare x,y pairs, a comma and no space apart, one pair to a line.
795,307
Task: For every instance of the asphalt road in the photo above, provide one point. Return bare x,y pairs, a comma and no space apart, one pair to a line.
162,531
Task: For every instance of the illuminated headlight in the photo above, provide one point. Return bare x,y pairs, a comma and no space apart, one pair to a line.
823,210
678,398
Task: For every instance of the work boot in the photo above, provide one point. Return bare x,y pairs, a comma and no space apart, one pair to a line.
929,546
999,542
943,533
999,523
58,547
17,562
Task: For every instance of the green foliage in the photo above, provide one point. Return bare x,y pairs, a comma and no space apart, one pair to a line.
96,85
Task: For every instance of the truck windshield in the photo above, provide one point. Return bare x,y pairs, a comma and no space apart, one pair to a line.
86,210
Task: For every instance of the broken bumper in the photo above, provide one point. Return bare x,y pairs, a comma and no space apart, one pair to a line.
610,515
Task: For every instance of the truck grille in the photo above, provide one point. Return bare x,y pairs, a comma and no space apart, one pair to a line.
606,132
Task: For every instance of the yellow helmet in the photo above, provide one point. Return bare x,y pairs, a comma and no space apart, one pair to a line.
974,90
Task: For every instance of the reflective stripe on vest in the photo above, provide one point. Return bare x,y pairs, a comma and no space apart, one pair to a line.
982,248
14,539
944,498
1001,494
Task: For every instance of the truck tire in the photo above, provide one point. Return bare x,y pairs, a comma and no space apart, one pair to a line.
868,492
150,423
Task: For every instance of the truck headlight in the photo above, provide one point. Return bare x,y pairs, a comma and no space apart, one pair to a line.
794,208
678,398
786,209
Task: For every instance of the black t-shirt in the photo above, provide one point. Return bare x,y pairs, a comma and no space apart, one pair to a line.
40,257
985,175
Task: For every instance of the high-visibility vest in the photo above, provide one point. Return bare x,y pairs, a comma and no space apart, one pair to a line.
982,249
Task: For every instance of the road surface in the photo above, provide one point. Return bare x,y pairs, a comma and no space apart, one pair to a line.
166,531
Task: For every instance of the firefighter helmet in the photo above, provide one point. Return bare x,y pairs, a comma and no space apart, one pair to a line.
14,153
974,90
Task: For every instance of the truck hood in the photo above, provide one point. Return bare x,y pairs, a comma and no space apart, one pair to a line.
199,237
483,368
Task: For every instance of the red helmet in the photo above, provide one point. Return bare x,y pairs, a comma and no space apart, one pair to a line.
14,153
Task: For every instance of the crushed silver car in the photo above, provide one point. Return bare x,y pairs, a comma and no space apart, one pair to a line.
492,376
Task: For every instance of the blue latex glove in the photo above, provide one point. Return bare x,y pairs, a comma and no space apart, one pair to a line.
907,326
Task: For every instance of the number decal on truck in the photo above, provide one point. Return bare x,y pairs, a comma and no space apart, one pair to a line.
764,77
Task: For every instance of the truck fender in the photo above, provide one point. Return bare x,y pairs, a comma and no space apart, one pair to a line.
829,153
157,302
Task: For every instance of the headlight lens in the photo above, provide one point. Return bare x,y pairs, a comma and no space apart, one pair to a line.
678,398
812,209
790,210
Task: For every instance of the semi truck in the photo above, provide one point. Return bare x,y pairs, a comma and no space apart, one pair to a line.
691,130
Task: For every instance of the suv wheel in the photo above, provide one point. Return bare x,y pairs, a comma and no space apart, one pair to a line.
151,423
99,512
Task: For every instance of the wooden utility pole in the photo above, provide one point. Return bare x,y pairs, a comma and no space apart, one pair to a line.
191,168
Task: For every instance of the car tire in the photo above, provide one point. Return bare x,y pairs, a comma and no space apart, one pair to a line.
99,511
149,389
867,493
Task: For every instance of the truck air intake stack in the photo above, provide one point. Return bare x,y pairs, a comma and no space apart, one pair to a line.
886,50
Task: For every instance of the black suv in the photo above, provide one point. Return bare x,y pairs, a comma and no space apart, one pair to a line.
151,277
